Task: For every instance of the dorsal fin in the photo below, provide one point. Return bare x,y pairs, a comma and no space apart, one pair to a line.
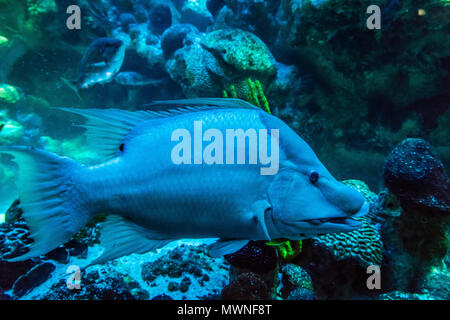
206,102
108,129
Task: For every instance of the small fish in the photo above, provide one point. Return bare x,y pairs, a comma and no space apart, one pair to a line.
133,79
101,62
1,126
150,200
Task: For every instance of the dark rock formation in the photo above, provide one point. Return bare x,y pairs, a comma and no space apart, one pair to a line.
173,38
35,277
248,286
417,177
160,18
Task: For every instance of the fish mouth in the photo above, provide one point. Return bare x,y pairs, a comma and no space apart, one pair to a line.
334,221
340,224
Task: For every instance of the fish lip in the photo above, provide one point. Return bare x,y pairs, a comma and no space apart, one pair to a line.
341,224
335,225
341,220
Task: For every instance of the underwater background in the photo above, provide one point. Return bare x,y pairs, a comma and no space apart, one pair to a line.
372,103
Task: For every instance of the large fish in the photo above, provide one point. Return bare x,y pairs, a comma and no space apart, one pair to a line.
150,199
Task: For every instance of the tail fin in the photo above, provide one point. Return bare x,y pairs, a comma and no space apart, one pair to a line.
72,86
50,196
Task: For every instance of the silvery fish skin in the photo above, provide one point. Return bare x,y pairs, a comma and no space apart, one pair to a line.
101,62
134,79
151,200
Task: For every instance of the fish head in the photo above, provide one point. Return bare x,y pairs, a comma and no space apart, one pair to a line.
310,202
110,48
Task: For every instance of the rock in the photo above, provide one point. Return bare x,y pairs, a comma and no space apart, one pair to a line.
214,5
255,257
160,18
135,289
106,285
9,94
197,14
76,248
140,294
12,131
333,278
182,261
248,286
294,278
301,294
59,255
126,19
162,297
35,277
417,177
148,47
196,70
173,286
173,38
244,52
184,285
416,241
11,271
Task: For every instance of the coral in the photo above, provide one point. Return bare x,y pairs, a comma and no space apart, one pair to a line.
287,249
109,285
248,286
196,70
242,51
251,91
294,277
9,94
177,265
38,7
364,243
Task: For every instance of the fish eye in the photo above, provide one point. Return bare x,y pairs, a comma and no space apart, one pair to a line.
313,176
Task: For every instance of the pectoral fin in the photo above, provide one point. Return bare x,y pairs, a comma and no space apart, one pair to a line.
120,237
259,210
226,246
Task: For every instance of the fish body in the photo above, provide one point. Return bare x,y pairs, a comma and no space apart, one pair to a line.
151,199
133,79
101,62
